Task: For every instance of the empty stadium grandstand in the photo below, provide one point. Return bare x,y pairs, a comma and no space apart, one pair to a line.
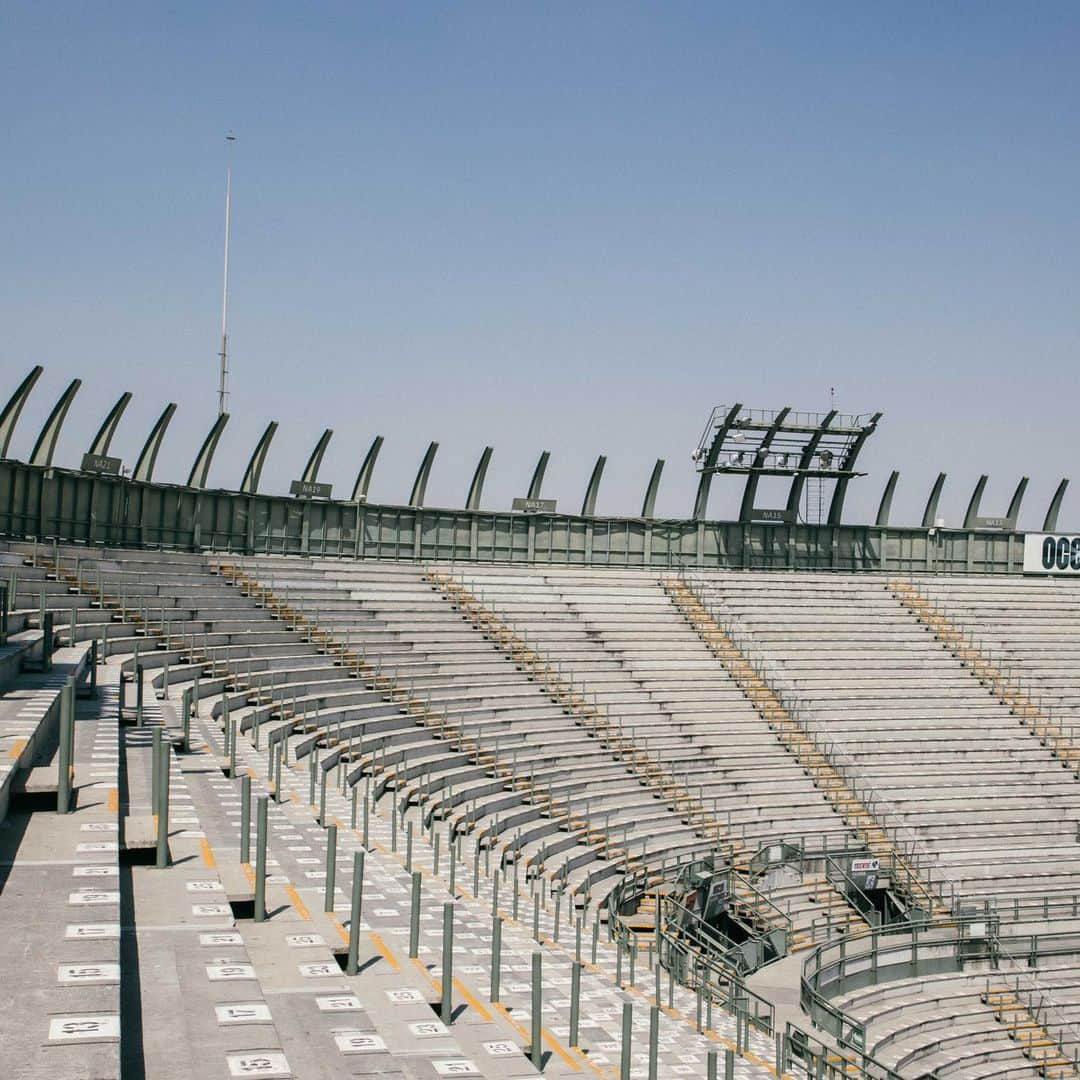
301,787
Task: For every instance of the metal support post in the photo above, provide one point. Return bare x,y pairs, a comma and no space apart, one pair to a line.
654,1041
185,718
414,915
331,867
627,1040
352,963
155,772
163,805
260,859
496,957
65,746
536,1049
447,1010
575,1002
245,819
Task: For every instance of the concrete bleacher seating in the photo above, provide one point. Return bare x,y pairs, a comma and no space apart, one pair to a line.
556,729
949,762
235,994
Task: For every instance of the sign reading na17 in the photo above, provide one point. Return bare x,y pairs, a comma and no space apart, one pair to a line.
1051,553
534,506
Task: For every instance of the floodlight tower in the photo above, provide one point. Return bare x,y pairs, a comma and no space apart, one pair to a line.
781,442
223,387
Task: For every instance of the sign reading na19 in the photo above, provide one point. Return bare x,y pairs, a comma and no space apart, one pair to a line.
1051,553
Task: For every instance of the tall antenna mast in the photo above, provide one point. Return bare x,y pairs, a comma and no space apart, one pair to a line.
223,385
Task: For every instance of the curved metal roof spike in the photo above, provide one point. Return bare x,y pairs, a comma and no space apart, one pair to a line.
1050,522
476,488
885,506
250,484
103,438
972,511
930,513
10,416
588,505
537,481
363,477
45,446
200,470
311,470
144,467
419,489
648,506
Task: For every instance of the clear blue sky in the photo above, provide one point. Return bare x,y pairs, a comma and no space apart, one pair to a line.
562,225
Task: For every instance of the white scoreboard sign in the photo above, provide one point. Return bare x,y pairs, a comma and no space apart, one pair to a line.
1051,553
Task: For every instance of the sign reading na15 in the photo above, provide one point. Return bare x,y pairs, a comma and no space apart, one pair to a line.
1051,553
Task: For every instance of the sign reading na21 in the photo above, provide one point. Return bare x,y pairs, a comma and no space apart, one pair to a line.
1051,553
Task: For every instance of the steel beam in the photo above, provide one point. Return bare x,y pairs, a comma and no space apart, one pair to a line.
885,506
648,507
930,513
250,484
419,488
538,475
836,507
1016,502
10,416
972,511
798,481
363,478
1050,522
45,446
200,470
588,504
701,501
144,467
103,438
311,470
750,488
476,488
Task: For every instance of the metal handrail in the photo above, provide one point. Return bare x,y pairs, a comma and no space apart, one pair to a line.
899,951
820,1061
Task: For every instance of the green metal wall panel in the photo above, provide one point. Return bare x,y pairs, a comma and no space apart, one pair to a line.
84,508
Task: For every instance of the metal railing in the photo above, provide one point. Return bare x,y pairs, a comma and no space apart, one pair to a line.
904,951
